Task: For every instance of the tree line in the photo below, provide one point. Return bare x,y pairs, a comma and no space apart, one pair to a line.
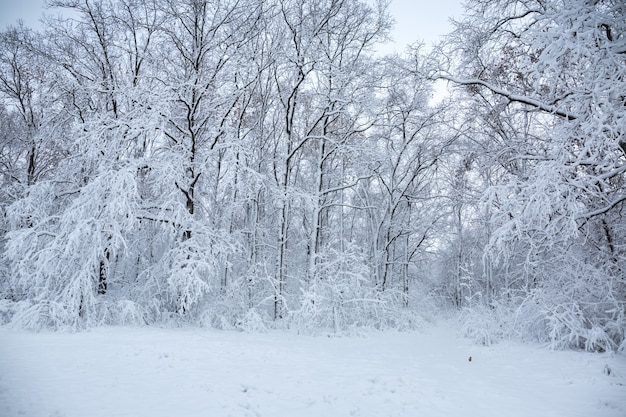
253,164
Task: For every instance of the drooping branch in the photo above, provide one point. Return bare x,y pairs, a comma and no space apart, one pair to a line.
604,209
529,101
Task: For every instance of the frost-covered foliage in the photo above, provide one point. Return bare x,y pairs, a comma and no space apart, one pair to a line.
212,163
250,164
577,308
548,79
345,299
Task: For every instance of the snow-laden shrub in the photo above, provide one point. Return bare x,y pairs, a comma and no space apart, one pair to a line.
45,314
345,299
236,304
254,321
55,315
221,317
8,309
122,312
582,327
324,305
481,325
558,316
500,320
217,316
337,296
580,306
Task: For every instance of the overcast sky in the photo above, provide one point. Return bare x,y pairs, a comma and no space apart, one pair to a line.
424,20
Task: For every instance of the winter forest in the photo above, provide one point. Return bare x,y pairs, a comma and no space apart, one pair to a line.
259,164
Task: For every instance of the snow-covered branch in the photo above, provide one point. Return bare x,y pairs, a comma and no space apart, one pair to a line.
510,96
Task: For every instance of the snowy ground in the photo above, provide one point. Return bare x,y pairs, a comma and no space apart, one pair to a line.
152,372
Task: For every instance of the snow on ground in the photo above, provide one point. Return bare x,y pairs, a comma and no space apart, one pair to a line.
153,372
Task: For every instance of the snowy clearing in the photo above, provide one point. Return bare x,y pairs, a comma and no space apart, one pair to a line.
194,372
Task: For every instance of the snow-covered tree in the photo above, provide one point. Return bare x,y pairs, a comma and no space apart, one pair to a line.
551,77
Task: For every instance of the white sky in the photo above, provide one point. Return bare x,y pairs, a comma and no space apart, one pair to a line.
424,20
27,10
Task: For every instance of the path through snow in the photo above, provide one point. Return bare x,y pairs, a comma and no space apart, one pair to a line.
152,372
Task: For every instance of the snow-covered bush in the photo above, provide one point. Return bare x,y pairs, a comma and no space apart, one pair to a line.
345,299
563,316
254,321
486,325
